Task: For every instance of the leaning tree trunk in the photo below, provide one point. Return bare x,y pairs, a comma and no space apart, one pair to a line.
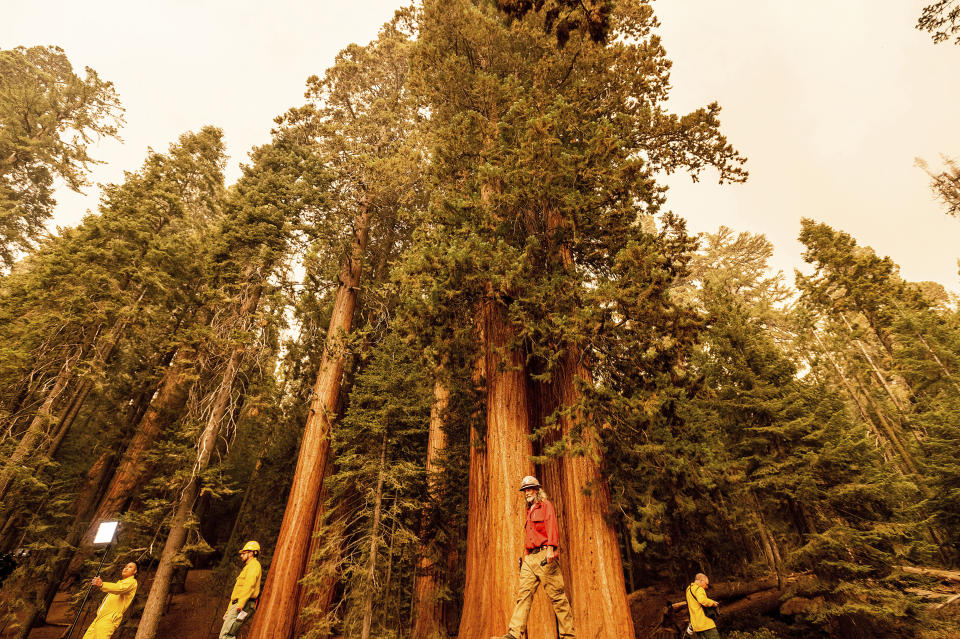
37,585
164,409
277,615
37,428
427,585
371,571
160,589
496,509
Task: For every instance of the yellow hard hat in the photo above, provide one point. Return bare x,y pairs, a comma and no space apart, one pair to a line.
251,545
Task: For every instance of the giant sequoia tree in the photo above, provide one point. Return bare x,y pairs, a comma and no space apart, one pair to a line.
544,160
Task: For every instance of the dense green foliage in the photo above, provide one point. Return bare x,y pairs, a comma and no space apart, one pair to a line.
498,153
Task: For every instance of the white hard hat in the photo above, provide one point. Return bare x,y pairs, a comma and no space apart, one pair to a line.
529,482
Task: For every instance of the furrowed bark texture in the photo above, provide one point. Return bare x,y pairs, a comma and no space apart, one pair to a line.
590,557
427,606
497,512
277,616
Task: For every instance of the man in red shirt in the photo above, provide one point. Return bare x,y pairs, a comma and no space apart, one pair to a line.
540,564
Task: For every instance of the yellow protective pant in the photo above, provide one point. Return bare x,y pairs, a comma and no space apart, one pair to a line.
532,574
103,627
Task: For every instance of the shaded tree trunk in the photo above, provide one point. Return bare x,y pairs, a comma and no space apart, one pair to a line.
426,589
37,585
277,616
165,408
38,426
160,588
374,544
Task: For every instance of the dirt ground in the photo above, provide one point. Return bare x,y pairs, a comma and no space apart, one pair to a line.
192,614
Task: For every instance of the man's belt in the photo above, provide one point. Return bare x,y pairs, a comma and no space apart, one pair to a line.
534,551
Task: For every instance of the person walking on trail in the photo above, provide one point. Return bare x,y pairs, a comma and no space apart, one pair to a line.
703,626
246,591
119,596
540,563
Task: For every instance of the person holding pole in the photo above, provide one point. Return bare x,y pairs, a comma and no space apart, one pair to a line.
119,597
246,591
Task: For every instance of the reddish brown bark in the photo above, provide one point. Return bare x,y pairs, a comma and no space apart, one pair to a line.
277,616
160,587
591,562
496,509
426,603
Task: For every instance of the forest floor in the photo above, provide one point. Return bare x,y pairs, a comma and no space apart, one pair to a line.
192,614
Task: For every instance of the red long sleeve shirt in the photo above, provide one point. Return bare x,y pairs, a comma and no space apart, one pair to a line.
541,528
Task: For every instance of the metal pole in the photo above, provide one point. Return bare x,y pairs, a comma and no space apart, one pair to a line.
86,596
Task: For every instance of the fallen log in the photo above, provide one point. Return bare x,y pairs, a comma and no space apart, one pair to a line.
951,576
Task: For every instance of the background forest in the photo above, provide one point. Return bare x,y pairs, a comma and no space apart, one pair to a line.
452,266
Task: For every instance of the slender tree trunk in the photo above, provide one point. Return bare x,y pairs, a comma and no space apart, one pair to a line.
889,429
496,510
165,408
37,428
426,590
160,588
854,395
37,586
933,354
276,618
769,542
873,367
374,546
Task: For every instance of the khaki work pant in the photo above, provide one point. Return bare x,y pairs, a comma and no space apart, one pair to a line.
532,574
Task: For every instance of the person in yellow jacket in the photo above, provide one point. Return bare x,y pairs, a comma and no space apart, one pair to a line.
245,591
703,626
118,599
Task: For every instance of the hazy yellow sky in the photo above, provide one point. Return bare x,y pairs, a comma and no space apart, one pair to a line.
830,100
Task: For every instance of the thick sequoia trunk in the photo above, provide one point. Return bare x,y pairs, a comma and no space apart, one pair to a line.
277,616
160,588
498,460
426,589
590,557
591,562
